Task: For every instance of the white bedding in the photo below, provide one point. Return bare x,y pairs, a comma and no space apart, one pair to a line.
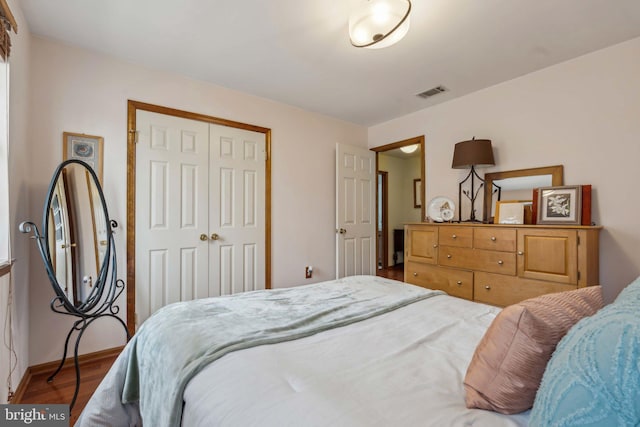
403,368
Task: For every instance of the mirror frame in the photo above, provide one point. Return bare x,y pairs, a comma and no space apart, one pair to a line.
557,178
101,280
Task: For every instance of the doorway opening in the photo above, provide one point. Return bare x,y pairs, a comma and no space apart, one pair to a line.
398,200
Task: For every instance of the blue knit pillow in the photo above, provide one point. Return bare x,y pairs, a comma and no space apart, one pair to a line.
630,294
593,378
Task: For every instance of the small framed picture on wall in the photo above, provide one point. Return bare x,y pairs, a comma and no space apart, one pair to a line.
417,193
560,205
87,148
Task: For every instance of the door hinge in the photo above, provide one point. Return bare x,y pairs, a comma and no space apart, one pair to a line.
136,134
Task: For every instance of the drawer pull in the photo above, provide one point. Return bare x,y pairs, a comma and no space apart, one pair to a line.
435,246
520,253
449,256
493,238
500,262
454,236
487,287
459,283
415,274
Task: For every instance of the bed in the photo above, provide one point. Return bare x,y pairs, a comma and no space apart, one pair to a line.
401,366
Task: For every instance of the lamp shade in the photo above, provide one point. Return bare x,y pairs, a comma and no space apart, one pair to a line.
475,152
379,23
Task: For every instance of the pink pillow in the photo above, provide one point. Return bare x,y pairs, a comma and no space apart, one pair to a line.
507,366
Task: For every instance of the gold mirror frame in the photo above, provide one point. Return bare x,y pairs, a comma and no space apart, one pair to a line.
557,178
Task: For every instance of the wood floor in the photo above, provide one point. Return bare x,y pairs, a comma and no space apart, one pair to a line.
395,272
60,390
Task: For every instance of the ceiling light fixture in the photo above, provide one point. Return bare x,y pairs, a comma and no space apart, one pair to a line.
409,148
379,23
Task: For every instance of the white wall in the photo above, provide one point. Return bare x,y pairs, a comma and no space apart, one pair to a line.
77,91
19,153
584,114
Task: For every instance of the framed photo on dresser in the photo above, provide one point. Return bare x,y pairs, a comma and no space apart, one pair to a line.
560,205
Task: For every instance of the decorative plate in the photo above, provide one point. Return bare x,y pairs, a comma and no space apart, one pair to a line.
441,209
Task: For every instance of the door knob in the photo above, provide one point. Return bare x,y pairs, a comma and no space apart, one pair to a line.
342,231
214,236
203,237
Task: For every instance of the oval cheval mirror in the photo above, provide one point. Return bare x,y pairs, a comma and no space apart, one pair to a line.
77,248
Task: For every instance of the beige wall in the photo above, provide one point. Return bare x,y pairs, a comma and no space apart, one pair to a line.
77,91
584,114
19,184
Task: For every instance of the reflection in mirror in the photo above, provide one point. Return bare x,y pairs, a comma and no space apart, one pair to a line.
76,233
518,185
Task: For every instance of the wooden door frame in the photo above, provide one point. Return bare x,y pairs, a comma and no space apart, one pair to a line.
132,109
392,146
385,219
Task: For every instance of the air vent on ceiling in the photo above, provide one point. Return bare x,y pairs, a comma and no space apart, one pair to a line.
431,92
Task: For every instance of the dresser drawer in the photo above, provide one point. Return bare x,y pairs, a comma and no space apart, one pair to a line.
478,259
458,283
456,236
500,290
495,239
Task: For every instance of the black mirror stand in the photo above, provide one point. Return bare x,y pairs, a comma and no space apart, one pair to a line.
103,307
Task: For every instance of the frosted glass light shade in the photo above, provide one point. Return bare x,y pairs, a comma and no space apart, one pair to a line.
409,148
379,23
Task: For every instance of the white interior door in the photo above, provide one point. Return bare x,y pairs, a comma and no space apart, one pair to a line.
237,206
355,211
172,211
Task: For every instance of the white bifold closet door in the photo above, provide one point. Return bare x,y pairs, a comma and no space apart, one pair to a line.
200,211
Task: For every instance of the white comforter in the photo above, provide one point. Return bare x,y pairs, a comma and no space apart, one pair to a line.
403,368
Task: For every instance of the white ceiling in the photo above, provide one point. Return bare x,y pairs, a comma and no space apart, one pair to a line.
298,51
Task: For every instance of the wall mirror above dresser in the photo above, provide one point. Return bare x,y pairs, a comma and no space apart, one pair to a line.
517,185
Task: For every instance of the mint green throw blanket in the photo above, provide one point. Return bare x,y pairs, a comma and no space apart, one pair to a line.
180,339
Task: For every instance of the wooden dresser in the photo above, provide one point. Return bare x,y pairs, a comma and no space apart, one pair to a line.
500,264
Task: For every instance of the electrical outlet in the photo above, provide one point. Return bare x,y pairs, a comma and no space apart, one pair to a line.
308,272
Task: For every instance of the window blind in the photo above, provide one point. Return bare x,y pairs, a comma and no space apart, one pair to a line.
7,23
